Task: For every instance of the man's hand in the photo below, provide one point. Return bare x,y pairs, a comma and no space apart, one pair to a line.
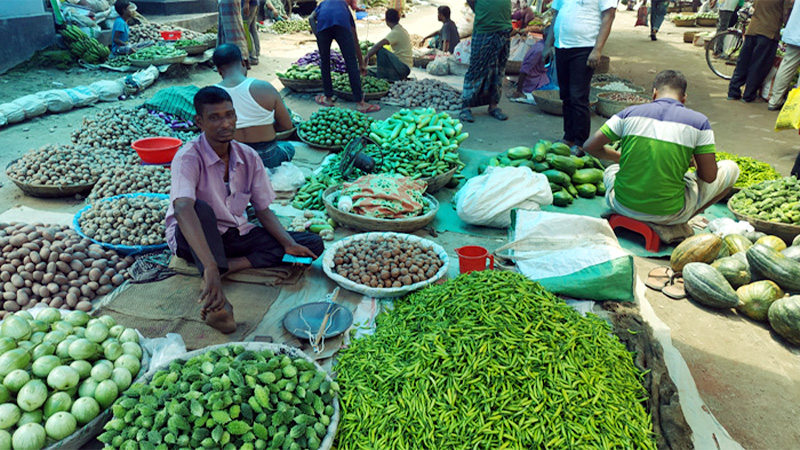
547,54
363,68
299,250
594,59
212,297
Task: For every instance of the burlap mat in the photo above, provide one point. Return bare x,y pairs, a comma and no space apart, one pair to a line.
271,276
170,306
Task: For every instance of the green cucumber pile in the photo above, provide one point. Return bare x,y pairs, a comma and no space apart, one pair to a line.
490,360
334,127
773,201
369,84
183,43
156,52
570,176
228,398
307,72
59,373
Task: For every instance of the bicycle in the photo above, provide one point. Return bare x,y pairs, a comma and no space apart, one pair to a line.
722,51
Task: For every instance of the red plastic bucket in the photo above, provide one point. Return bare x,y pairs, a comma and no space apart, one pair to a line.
473,258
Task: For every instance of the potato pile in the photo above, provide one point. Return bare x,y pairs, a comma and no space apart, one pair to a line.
152,32
62,165
386,262
425,93
54,265
116,128
126,221
130,180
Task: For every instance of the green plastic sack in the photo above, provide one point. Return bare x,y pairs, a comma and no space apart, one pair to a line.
177,100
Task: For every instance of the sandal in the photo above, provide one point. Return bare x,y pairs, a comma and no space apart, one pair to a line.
676,289
498,114
323,101
371,108
658,278
466,116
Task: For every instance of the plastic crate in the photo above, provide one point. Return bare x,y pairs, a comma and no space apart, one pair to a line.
171,35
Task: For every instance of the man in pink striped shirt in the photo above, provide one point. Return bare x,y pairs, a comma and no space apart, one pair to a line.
214,179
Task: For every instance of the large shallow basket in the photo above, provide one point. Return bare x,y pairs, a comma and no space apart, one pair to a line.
49,191
439,181
785,231
684,22
333,148
327,265
285,135
549,102
364,223
278,349
302,85
597,88
367,95
707,22
608,108
121,249
158,62
195,49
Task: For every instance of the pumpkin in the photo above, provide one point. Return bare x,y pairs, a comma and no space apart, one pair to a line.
792,252
754,235
784,317
775,266
772,241
707,286
736,243
756,298
796,240
698,248
735,270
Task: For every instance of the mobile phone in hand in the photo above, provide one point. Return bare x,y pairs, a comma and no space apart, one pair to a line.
287,258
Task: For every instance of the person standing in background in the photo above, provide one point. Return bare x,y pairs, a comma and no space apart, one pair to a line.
790,62
230,27
250,13
758,50
579,33
483,82
658,10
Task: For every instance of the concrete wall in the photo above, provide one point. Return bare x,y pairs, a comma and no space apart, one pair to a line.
173,7
27,27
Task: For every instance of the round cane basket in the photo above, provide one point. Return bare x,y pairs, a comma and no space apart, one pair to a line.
157,62
512,67
598,88
785,231
302,85
607,108
367,95
684,22
195,49
50,191
364,223
549,102
286,135
707,21
333,148
439,181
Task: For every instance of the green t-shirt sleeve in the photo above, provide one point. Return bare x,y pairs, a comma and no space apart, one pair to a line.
608,131
702,149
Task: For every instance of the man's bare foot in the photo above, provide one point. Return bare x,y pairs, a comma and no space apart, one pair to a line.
222,320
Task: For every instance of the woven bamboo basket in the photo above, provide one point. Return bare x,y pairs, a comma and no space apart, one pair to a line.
439,181
195,49
302,85
363,223
785,231
684,22
286,135
608,108
333,148
549,102
707,22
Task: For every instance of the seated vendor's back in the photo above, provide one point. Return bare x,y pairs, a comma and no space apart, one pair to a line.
658,141
401,44
254,122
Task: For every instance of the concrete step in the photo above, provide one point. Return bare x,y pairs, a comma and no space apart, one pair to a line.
172,7
199,22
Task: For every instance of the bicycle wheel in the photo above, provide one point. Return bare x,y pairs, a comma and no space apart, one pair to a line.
722,52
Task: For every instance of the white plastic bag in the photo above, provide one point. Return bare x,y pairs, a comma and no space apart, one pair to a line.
163,349
463,50
33,105
57,100
82,96
3,120
286,177
13,112
439,66
724,226
108,90
145,78
520,47
488,199
466,23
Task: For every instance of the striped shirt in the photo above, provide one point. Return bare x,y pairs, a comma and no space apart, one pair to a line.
658,141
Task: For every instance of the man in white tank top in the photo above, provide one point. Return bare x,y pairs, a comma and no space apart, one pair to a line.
260,111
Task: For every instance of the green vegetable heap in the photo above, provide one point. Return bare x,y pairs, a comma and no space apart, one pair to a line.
751,171
773,201
156,52
307,72
290,26
183,43
334,127
228,398
490,360
370,85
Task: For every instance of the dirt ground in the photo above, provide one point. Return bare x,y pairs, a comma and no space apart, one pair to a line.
748,378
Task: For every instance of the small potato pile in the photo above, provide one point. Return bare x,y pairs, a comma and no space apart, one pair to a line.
61,165
116,128
130,180
386,262
55,266
425,93
127,221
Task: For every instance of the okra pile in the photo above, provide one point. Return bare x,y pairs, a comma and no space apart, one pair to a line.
490,360
227,398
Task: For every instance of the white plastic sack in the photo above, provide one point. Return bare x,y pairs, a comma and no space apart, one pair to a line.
724,226
33,105
3,120
145,78
108,90
57,100
466,23
488,199
463,50
286,177
13,112
439,66
520,47
769,82
82,96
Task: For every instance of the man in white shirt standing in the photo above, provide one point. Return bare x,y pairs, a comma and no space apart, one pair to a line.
791,60
579,33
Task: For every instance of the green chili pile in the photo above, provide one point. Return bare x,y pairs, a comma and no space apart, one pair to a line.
751,171
490,360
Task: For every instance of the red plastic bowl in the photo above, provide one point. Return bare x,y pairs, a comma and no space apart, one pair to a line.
157,150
